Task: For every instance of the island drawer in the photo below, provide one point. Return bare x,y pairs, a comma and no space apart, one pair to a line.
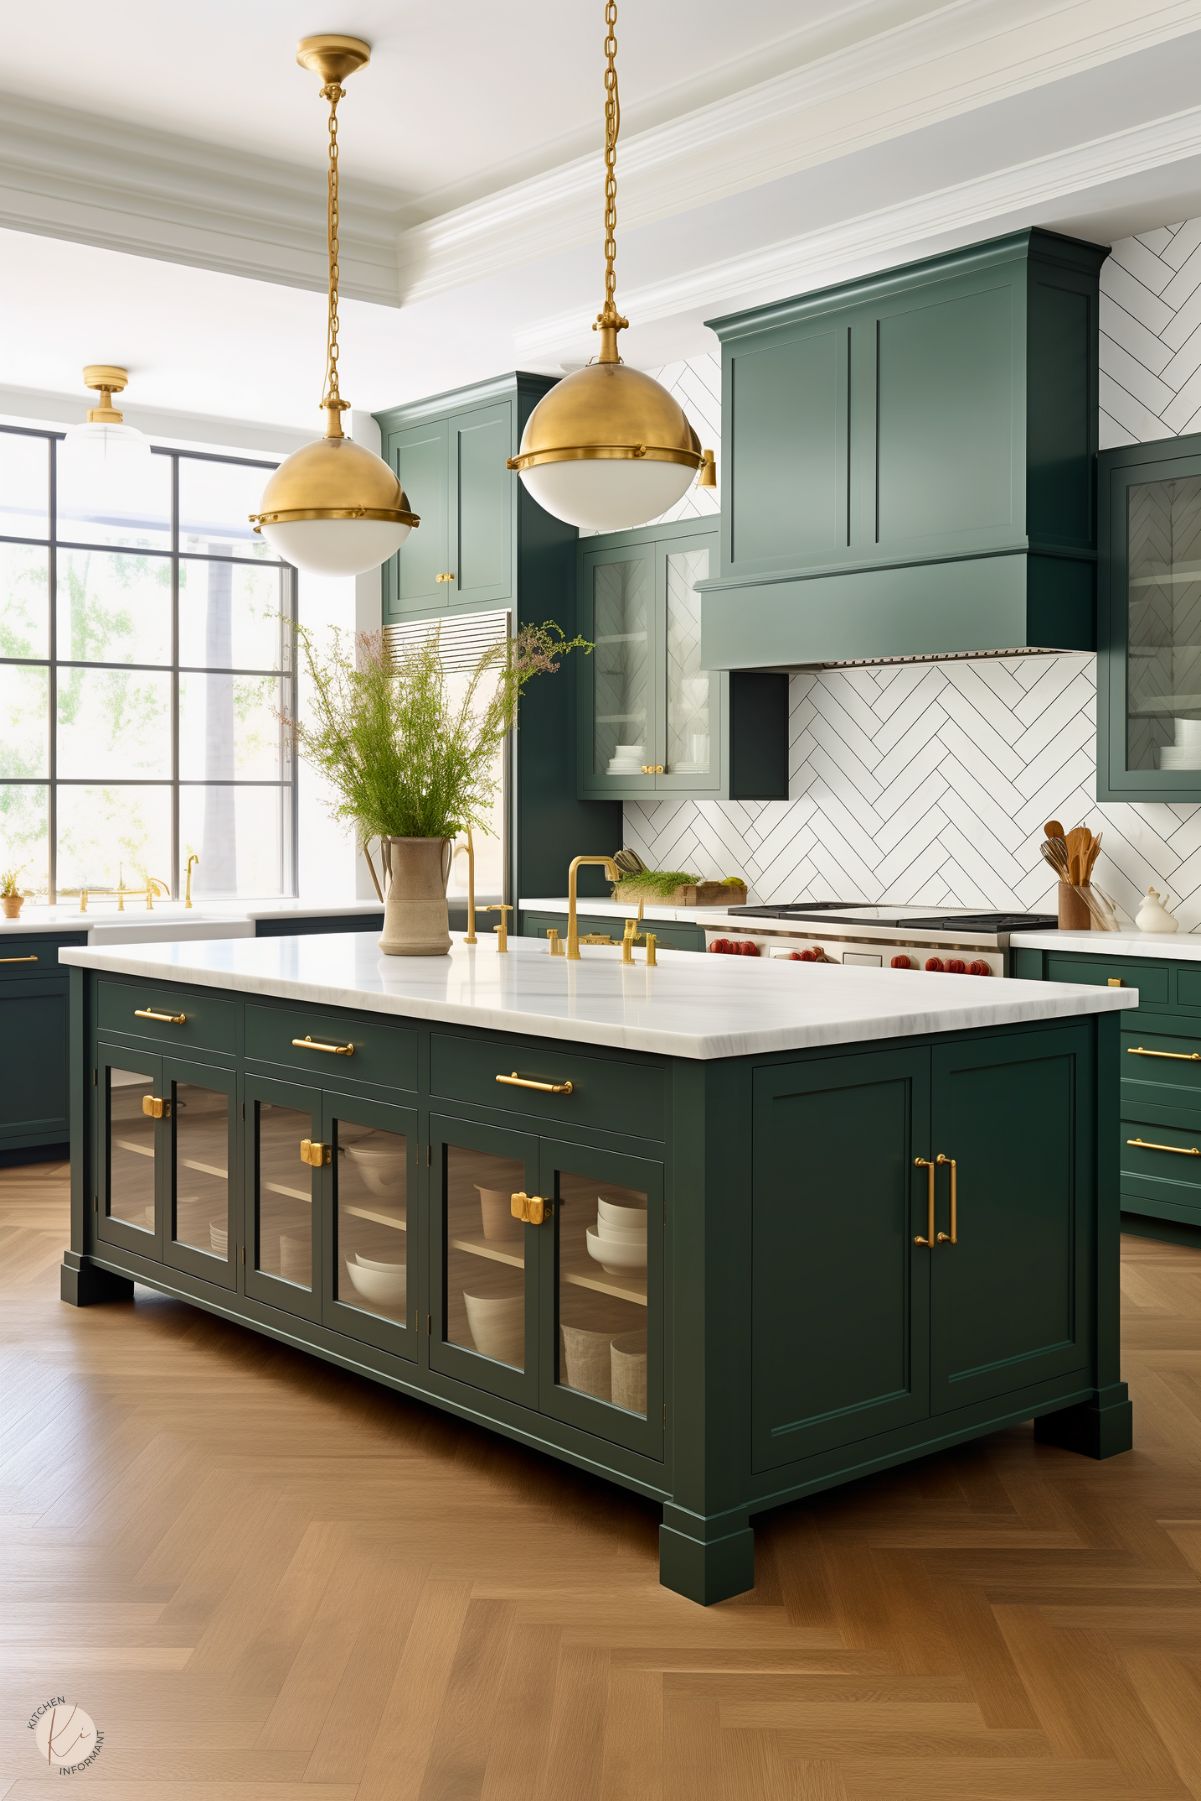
606,1094
350,1047
1153,980
193,1018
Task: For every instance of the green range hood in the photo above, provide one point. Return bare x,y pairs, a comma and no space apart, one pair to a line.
908,464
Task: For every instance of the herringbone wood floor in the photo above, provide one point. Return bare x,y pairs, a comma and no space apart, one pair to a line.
268,1581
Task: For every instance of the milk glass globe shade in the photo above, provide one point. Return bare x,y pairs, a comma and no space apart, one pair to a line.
608,496
336,546
334,508
107,463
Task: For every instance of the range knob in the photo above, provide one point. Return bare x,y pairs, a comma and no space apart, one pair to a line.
956,966
979,968
933,963
902,963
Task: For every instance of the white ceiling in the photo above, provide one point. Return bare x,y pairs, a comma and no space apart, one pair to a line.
836,138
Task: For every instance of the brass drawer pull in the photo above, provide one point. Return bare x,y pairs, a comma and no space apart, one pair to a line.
1136,1050
1178,1150
166,1019
308,1043
532,1208
951,1237
927,1164
30,959
314,1153
154,1107
1114,982
516,1081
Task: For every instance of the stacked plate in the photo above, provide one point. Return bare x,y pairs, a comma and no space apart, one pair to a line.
626,760
618,1240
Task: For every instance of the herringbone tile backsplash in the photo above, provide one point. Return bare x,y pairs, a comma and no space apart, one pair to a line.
931,782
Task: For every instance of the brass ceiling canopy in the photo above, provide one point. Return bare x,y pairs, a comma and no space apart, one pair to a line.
607,413
107,379
334,507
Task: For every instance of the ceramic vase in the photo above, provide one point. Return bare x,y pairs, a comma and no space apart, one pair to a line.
416,921
12,904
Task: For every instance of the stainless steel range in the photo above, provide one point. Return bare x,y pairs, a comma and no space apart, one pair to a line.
963,941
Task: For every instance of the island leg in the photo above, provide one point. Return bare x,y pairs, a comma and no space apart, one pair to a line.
1102,1427
83,1283
706,1557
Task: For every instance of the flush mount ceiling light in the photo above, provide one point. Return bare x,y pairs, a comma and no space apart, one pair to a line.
333,507
608,447
104,457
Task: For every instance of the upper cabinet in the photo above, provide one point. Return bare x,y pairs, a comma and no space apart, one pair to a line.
907,463
653,720
1149,668
450,455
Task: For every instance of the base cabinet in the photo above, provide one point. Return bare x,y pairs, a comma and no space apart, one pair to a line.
33,1041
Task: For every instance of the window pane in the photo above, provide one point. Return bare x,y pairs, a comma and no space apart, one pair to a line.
229,616
104,832
114,724
24,602
24,486
215,500
25,834
113,608
242,837
137,515
229,728
24,720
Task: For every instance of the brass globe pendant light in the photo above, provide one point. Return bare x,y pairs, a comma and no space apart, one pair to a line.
334,508
608,447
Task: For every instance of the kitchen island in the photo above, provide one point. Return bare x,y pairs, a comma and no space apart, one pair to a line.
726,1234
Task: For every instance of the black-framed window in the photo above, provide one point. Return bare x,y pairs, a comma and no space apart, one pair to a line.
146,659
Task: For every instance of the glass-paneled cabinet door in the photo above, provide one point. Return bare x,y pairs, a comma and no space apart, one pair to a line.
618,751
131,1116
602,1295
484,1260
372,1257
689,696
200,1231
285,1158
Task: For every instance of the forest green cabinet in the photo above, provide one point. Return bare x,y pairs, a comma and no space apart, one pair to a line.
1149,667
33,1041
907,462
652,719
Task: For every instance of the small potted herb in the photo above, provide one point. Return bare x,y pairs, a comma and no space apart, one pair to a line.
12,898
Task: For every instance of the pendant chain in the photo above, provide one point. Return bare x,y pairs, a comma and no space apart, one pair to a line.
612,127
332,92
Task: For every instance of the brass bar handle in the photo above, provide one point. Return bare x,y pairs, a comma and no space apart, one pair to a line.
951,1237
1137,1050
166,1019
927,1163
516,1081
1177,1150
30,959
308,1043
531,1209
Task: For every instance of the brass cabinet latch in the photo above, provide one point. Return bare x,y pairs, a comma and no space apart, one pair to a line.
314,1153
532,1208
155,1107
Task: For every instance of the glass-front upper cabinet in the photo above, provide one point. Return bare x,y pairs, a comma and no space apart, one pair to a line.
1149,668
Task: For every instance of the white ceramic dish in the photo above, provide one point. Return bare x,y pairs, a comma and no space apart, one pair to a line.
496,1214
616,1255
219,1239
383,1284
620,1216
380,1163
497,1326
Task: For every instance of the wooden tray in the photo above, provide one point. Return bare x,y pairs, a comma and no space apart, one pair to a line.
694,894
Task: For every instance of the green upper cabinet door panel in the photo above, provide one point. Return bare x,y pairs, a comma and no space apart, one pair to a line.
786,474
1149,669
411,577
908,460
483,505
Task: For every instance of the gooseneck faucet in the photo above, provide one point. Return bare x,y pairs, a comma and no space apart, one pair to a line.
192,862
576,864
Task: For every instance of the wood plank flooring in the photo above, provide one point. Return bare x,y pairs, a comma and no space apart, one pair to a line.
267,1581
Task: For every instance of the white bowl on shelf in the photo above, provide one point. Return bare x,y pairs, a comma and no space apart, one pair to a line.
383,1284
496,1215
497,1326
628,752
380,1162
616,1255
618,1216
219,1240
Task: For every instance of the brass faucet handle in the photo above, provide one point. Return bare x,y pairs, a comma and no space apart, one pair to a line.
556,942
501,930
652,946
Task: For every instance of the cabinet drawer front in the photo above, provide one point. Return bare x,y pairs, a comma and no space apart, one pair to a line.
190,1019
1152,980
305,1040
608,1096
1188,985
1165,1156
31,956
1161,1067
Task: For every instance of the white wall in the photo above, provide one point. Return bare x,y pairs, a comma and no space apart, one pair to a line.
931,782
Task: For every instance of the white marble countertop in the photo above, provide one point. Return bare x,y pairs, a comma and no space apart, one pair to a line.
1184,946
66,917
689,1006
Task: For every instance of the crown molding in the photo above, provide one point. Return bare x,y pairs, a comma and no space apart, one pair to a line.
915,228
962,56
66,174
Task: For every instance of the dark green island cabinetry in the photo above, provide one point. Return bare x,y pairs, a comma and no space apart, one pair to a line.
33,1042
822,1259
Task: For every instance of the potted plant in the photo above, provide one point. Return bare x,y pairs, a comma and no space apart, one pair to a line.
12,898
411,765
